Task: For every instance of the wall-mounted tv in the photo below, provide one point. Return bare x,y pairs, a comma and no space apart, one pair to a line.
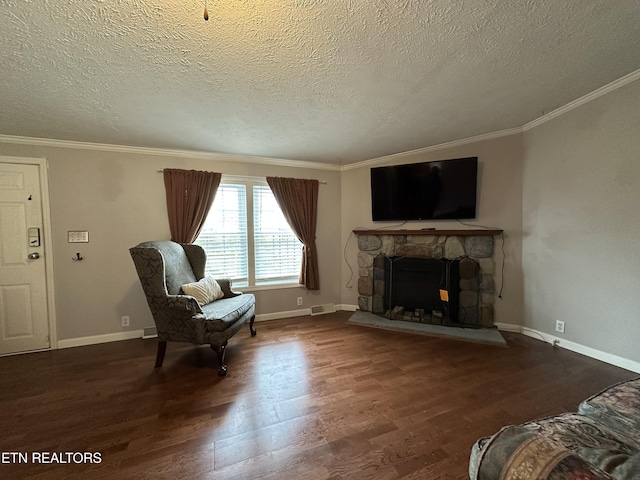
444,189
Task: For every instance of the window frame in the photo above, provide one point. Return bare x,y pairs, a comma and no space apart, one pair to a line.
250,182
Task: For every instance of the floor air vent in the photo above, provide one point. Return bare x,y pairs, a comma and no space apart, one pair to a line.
320,309
149,332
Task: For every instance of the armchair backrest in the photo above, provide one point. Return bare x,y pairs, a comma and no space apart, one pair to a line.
164,266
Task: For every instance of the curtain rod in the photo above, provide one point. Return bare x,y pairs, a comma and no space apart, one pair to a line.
324,182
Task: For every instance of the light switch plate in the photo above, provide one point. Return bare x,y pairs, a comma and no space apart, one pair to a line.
78,237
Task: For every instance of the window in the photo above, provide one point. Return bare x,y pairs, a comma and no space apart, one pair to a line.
247,238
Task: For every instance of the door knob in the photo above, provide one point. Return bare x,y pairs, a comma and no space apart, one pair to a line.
33,256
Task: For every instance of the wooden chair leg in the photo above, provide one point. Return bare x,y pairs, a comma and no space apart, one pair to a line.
162,348
220,351
251,329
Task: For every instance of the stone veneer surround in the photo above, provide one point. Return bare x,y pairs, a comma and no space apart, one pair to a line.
449,244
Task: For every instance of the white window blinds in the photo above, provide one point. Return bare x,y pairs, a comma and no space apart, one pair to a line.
224,235
247,238
278,252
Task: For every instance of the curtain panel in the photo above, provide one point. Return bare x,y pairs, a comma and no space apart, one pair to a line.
190,194
298,200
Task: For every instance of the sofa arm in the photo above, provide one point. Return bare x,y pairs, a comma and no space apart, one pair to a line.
516,449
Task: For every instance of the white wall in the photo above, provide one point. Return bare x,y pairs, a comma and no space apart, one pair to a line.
120,199
581,229
499,205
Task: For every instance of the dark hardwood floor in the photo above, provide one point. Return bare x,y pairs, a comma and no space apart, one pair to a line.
307,398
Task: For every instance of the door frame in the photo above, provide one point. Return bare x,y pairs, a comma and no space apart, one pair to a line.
43,172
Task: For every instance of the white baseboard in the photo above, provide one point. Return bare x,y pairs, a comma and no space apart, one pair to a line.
506,327
347,308
96,339
298,313
574,347
287,314
116,337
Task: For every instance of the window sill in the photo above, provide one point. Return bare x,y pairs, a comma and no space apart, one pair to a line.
278,286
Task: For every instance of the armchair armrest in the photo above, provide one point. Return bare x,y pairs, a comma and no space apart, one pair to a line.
179,318
182,303
225,285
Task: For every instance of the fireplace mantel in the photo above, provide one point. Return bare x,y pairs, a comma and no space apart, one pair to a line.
456,233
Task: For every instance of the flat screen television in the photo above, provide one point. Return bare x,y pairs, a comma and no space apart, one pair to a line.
444,189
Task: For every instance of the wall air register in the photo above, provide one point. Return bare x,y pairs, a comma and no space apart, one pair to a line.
322,309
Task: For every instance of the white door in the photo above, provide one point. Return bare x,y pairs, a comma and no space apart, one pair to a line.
24,323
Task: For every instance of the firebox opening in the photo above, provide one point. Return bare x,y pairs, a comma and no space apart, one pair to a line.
424,290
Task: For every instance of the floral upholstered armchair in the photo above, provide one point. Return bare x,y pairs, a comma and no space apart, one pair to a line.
187,306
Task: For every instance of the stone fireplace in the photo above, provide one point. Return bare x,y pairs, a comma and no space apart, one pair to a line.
402,273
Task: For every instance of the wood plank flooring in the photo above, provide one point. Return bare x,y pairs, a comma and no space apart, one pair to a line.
307,398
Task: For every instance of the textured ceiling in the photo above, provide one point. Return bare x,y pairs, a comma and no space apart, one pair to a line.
333,81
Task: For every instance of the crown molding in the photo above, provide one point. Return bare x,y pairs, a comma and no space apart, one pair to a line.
456,143
619,83
193,154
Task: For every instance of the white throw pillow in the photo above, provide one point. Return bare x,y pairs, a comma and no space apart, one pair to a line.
205,291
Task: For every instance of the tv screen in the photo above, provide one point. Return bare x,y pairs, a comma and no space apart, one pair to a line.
444,189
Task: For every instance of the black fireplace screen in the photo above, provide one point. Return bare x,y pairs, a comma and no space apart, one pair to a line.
414,285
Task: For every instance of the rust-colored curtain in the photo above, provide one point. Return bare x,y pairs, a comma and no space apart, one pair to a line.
190,194
298,200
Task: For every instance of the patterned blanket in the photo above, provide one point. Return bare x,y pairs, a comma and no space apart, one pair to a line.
600,441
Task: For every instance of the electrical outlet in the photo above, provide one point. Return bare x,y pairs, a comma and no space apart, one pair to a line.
559,326
125,321
299,301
